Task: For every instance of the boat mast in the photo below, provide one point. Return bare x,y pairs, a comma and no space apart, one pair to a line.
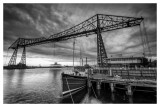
80,57
73,52
54,50
86,60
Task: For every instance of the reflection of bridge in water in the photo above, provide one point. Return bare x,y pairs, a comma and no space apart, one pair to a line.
97,24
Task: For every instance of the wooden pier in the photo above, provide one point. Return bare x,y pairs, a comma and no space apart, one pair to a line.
129,78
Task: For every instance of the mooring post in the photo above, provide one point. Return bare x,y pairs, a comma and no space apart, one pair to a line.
98,88
110,72
112,87
129,90
89,83
98,85
98,93
89,91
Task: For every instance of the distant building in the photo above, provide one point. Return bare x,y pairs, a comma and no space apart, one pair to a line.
153,63
127,62
56,65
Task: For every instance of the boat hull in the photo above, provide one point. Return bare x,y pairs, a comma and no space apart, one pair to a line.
72,84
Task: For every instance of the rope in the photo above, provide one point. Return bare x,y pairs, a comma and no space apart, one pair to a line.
70,91
54,49
93,91
142,39
73,52
146,38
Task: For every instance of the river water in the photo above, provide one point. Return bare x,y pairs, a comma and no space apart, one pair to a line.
43,85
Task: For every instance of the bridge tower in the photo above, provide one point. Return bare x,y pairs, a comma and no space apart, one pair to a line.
22,62
101,52
12,61
96,24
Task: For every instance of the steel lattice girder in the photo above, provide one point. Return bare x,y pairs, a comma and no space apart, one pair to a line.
101,52
13,58
22,42
23,57
88,27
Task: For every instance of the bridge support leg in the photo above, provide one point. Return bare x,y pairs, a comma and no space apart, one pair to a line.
23,58
101,52
12,61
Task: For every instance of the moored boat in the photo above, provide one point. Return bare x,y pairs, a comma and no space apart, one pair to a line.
72,84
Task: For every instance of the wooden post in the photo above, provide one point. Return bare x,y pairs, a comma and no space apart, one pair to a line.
121,73
141,74
98,85
89,83
98,93
112,87
110,72
129,90
128,73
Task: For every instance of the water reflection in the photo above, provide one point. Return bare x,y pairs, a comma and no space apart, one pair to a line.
130,99
112,96
98,93
32,86
56,81
7,79
44,86
9,75
20,76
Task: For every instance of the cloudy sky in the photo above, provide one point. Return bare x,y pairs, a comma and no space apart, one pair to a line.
43,20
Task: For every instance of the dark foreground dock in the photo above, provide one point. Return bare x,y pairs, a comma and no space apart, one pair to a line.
130,80
125,81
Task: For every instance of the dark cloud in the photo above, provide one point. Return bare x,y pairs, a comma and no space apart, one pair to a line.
43,20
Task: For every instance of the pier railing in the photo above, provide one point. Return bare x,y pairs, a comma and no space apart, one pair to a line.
128,73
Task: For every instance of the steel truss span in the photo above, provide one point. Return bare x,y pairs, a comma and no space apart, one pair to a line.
97,24
86,28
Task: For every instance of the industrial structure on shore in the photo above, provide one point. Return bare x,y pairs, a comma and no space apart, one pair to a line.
97,24
133,71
